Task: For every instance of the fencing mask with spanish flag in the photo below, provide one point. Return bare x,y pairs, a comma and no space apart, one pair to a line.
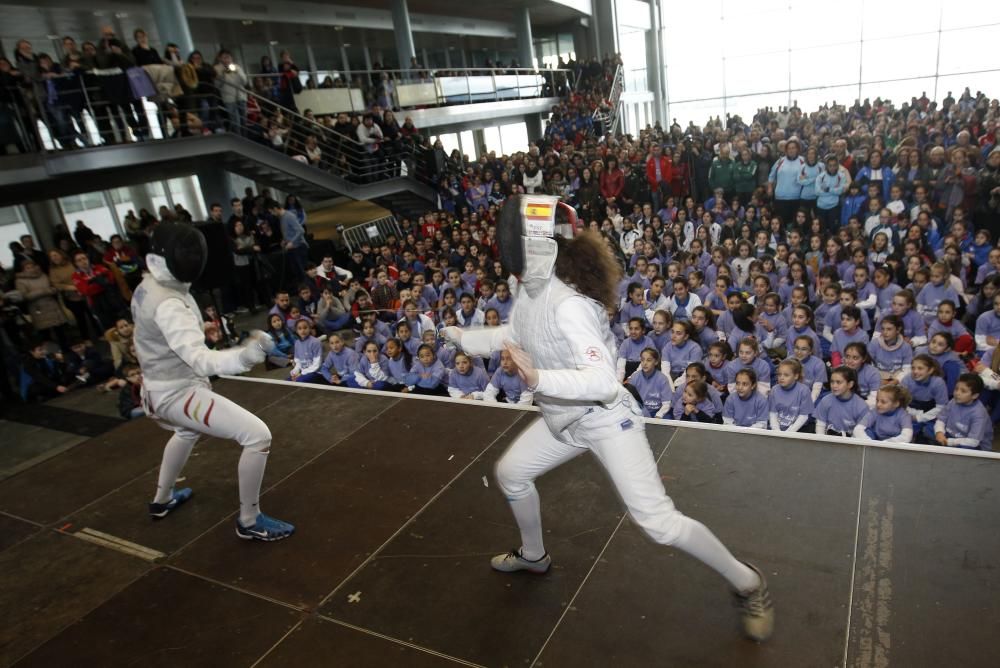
526,230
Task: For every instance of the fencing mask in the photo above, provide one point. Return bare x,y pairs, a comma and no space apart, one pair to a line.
526,229
182,247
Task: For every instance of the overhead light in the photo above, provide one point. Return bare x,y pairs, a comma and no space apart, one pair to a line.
338,27
247,22
121,15
273,42
52,37
346,45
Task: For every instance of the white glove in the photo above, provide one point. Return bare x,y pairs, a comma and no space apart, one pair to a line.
257,348
452,335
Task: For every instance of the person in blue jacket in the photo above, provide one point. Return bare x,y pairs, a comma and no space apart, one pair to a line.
783,181
831,183
874,172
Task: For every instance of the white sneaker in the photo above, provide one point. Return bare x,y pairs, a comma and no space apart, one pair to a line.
513,561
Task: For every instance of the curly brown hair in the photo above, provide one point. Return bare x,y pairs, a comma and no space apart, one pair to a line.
586,263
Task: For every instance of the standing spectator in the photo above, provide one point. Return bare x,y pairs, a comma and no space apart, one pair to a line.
722,172
294,240
61,277
126,259
288,82
612,180
244,247
233,83
658,174
783,182
370,135
28,252
42,301
130,397
95,282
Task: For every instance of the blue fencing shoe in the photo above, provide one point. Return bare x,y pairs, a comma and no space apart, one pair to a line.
160,510
265,528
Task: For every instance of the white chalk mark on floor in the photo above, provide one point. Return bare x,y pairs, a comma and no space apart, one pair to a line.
875,604
354,598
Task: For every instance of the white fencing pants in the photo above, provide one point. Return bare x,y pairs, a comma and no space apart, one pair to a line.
196,410
628,460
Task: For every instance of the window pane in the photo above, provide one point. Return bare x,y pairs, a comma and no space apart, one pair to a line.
698,112
12,227
491,137
514,137
967,13
813,24
899,57
898,17
898,91
91,210
970,50
810,67
759,73
745,107
449,142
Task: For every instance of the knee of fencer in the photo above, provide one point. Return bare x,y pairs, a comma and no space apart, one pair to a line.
512,486
260,447
254,434
671,529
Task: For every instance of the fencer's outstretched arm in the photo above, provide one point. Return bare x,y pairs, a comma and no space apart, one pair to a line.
593,379
480,341
185,337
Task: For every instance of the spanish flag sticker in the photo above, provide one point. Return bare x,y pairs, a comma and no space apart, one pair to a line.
538,211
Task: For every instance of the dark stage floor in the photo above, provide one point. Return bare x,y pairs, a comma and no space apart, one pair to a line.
876,557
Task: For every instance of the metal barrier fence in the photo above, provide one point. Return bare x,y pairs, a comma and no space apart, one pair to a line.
374,232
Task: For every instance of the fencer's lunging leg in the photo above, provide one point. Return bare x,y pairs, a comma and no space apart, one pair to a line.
175,456
630,463
533,453
251,474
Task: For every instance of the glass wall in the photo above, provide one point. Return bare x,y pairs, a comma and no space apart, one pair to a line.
734,57
13,225
91,209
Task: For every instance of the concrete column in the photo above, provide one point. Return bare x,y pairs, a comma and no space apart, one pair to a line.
140,198
447,58
215,188
654,59
402,32
172,24
465,60
534,124
479,139
425,61
311,58
44,217
525,45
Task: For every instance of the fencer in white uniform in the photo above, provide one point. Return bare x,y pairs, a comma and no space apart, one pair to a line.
176,366
561,341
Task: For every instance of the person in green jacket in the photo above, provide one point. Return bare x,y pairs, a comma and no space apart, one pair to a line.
720,174
745,176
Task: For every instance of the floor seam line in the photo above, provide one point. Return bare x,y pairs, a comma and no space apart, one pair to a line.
417,514
854,559
275,645
593,566
274,485
232,587
40,525
405,643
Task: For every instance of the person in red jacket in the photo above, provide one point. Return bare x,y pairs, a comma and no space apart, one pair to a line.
612,181
97,284
659,170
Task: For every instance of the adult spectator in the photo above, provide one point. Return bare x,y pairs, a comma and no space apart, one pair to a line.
233,83
126,259
96,283
876,172
288,81
988,194
722,173
783,182
42,301
293,240
28,252
370,136
61,278
612,180
658,174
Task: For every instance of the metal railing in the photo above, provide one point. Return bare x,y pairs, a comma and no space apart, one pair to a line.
83,116
608,118
334,91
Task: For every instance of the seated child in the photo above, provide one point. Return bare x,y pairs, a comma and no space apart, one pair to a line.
889,421
680,351
814,374
427,375
308,354
890,353
660,334
631,348
946,322
842,412
716,358
466,381
653,387
869,379
928,395
372,370
284,342
850,331
704,334
340,362
964,423
399,363
747,356
695,404
130,397
368,333
802,325
940,348
746,407
695,371
507,385
790,404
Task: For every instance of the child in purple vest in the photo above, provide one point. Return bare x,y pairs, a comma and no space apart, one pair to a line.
904,307
716,358
790,404
965,422
937,290
802,325
653,387
338,367
771,326
748,356
890,353
814,374
630,351
704,335
427,375
928,396
694,372
941,348
850,332
869,379
372,370
889,421
680,351
842,412
697,406
509,381
660,333
745,406
467,381
308,354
